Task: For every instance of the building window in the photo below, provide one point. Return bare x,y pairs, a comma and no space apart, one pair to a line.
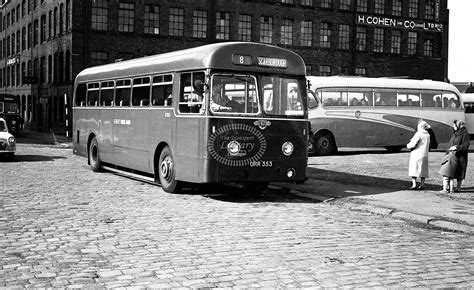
413,9
176,22
344,36
68,15
100,14
325,35
266,29
55,21
345,4
152,19
378,39
222,25
35,32
306,33
307,2
200,23
379,6
61,19
361,38
30,35
397,7
309,70
429,9
360,71
23,8
396,41
98,57
18,41
126,17
412,42
428,47
244,32
287,32
326,3
324,70
23,38
43,28
287,1
362,5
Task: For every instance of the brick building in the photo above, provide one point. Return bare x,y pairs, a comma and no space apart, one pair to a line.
45,43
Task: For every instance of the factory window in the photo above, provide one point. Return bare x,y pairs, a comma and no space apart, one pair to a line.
200,23
378,39
306,33
324,70
222,25
412,42
176,21
344,36
244,32
126,17
100,14
307,2
152,19
397,7
345,5
429,9
428,47
266,29
413,9
362,5
396,41
287,32
325,35
361,38
360,71
379,6
326,3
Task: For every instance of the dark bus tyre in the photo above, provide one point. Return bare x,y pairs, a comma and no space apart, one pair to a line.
94,156
167,171
323,144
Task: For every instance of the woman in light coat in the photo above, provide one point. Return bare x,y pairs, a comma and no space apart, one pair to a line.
419,146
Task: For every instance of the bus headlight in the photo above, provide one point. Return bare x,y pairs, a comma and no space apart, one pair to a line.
13,122
233,148
11,140
290,173
287,148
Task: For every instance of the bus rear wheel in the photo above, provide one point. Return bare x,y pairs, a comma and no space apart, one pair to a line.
167,171
324,144
94,156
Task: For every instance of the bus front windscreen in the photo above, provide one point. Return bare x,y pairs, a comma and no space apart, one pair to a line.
282,96
11,108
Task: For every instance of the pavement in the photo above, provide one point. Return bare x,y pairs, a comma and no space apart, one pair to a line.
429,208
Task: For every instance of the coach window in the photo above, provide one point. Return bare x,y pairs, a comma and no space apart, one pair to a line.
408,98
452,100
161,90
122,93
191,97
93,94
141,92
431,99
313,102
360,97
107,94
386,97
333,97
81,91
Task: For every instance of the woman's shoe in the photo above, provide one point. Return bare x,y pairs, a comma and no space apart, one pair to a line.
421,187
413,188
456,190
443,191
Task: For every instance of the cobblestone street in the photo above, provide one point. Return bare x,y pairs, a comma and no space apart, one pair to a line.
63,225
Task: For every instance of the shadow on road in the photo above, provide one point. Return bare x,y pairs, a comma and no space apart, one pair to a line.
31,158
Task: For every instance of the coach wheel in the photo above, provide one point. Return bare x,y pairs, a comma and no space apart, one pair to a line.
323,144
94,156
167,171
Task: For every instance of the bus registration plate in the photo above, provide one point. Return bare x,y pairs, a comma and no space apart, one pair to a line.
261,163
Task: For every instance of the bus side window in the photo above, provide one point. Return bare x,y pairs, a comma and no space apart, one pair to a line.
160,95
122,93
141,92
191,100
80,95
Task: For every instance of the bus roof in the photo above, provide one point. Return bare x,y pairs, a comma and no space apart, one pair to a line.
364,82
215,56
467,97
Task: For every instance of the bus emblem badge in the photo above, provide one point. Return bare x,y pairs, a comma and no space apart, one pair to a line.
357,114
262,124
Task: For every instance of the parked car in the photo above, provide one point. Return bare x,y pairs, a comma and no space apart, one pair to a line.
7,141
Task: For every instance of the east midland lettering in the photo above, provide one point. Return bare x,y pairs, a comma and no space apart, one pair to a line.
390,22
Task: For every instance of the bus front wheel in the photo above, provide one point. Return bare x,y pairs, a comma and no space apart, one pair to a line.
167,171
94,156
324,144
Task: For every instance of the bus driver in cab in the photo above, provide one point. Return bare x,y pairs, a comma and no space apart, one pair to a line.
218,101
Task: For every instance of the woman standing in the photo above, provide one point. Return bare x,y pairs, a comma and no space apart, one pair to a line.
459,143
419,146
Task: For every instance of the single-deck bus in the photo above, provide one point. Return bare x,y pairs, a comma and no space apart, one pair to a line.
467,96
378,112
154,116
10,111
